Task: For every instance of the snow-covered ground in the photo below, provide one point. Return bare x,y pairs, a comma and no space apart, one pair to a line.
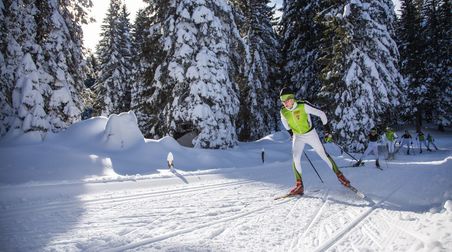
99,186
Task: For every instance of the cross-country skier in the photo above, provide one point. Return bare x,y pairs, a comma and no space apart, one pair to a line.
421,141
431,140
328,138
371,147
406,140
296,118
330,146
390,136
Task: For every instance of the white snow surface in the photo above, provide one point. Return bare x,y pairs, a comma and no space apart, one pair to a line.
73,192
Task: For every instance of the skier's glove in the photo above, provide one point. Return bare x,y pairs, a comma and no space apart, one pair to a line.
327,128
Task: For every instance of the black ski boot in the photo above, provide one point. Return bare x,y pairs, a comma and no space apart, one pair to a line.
377,163
358,163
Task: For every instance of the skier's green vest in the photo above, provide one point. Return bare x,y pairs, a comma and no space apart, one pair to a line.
421,136
328,139
390,135
297,118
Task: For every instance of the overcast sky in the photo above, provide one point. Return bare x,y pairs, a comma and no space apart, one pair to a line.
91,32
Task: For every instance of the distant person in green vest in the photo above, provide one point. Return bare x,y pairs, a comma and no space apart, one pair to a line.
422,141
431,140
390,137
330,146
328,138
296,118
372,146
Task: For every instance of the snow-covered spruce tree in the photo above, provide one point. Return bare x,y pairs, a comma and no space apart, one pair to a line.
145,60
23,98
43,63
28,101
192,90
60,35
114,55
437,50
5,87
411,46
361,81
300,35
259,89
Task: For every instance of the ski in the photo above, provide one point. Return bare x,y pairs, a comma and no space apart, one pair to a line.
356,191
288,195
351,166
378,167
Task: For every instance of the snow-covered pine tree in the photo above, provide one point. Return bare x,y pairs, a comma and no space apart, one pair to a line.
43,72
114,55
6,110
300,35
361,81
437,50
92,65
28,101
22,98
60,35
259,90
148,55
411,48
192,90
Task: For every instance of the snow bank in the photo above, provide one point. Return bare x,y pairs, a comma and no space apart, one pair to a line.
448,206
122,132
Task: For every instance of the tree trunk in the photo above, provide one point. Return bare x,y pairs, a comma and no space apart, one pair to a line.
418,119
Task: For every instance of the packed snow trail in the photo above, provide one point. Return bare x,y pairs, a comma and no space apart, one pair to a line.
408,205
210,213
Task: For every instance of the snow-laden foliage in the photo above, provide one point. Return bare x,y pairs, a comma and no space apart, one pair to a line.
114,52
145,60
192,88
361,82
300,36
259,89
63,62
43,68
437,37
411,45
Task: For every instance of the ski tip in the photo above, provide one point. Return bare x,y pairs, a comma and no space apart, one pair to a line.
361,195
287,196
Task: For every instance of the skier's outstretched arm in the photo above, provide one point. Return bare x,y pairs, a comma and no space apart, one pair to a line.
284,122
317,112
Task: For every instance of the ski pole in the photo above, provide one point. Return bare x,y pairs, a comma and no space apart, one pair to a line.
313,166
347,152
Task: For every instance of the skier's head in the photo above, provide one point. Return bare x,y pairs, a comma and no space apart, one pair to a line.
373,130
286,94
287,97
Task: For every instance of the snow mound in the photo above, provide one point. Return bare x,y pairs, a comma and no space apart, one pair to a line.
280,136
448,206
82,132
169,142
16,137
122,132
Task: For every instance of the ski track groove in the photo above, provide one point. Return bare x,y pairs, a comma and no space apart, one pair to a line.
317,214
158,219
176,233
390,222
344,231
69,205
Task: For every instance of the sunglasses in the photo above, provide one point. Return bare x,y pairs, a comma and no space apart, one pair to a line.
287,97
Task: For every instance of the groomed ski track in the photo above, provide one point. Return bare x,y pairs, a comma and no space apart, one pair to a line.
209,213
